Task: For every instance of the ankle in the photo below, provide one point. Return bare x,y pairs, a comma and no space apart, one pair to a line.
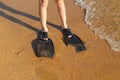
65,26
44,29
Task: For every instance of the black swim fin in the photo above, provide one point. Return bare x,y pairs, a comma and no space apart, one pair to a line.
45,48
74,40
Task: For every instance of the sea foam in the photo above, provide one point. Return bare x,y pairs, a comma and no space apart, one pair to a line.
103,17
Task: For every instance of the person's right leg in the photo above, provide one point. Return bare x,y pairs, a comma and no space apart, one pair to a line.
43,14
43,17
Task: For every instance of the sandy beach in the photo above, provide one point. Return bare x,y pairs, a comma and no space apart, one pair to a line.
19,24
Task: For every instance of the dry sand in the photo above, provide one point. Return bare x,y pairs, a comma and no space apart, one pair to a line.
19,22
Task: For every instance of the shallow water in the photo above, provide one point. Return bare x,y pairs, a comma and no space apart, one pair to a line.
103,17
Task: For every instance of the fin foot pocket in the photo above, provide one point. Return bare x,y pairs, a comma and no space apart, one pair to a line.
43,36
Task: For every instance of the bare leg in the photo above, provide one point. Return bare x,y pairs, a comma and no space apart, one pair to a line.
43,14
62,12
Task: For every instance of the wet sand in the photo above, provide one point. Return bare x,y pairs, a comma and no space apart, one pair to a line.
19,23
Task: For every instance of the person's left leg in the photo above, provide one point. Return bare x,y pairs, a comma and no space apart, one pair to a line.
62,12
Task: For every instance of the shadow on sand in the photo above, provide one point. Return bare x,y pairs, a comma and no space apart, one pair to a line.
20,22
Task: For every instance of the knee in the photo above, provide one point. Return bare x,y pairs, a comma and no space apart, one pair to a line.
59,2
44,3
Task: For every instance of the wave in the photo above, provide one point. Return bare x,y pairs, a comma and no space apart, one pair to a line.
103,17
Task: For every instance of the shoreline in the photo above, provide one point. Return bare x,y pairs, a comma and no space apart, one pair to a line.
94,20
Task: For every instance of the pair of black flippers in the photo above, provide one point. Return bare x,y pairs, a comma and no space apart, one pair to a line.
45,48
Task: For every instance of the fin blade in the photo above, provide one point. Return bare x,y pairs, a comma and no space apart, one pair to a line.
45,48
79,47
76,42
73,40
